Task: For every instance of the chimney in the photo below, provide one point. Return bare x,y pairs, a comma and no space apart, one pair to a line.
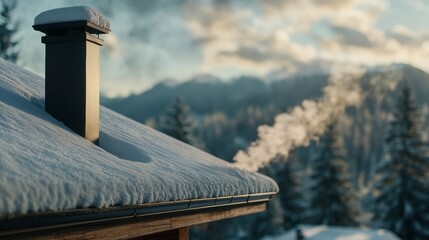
72,78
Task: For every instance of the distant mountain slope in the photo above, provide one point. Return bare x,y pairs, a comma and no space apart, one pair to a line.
203,96
230,112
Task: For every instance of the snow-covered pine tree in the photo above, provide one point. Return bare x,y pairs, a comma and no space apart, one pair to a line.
291,197
270,222
178,124
332,199
8,31
400,191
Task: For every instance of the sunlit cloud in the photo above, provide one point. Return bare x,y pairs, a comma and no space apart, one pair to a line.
177,39
260,36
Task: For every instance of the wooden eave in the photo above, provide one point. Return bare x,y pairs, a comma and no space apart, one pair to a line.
131,221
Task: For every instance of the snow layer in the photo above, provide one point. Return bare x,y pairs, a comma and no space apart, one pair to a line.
46,167
336,233
70,14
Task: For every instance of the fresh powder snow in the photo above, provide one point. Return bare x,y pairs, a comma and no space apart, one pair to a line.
336,233
70,14
44,166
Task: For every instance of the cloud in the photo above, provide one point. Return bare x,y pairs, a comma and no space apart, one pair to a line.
334,4
236,37
403,35
150,43
252,54
154,40
419,5
260,35
368,45
351,36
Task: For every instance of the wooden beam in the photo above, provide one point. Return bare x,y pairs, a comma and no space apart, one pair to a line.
204,217
184,233
175,234
142,226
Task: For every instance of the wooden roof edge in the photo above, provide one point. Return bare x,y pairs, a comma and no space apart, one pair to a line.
77,217
138,226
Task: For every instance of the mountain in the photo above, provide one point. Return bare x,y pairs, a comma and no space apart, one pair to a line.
204,95
229,112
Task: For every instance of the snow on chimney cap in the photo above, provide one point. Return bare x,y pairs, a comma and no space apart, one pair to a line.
73,14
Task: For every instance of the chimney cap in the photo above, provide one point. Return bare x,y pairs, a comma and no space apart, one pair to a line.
72,18
63,27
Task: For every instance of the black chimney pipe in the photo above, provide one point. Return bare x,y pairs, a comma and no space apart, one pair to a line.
72,74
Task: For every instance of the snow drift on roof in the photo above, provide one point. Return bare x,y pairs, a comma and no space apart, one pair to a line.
46,167
70,14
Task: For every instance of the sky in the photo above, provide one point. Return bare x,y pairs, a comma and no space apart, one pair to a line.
176,40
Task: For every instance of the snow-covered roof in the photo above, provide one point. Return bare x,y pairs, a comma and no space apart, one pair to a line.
336,233
70,14
44,166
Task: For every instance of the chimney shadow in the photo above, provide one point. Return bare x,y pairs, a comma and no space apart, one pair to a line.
121,149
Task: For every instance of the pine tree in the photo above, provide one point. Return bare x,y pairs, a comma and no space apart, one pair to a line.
178,124
401,193
332,200
288,179
267,223
7,32
270,222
